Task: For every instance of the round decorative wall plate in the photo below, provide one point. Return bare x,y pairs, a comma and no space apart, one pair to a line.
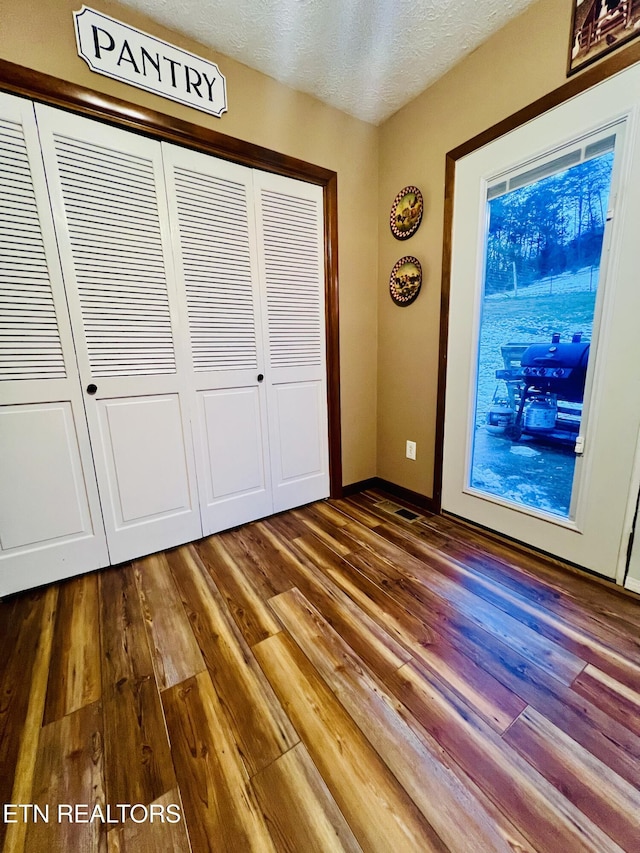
406,280
406,213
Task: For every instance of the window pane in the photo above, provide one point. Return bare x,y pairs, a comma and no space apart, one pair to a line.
543,249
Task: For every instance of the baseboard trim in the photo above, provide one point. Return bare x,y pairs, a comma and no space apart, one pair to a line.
360,486
407,495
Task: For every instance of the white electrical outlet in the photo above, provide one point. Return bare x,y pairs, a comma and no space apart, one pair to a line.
411,450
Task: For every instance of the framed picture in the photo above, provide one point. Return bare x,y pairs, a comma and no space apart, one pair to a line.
405,281
599,27
406,213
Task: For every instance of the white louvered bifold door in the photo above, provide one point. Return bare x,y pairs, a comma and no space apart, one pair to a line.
213,224
107,191
50,519
291,254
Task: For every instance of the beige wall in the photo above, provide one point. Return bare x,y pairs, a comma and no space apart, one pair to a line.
39,34
522,62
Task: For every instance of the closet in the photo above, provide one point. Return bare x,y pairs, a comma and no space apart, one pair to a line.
162,346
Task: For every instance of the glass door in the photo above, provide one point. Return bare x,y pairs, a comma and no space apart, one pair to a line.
542,408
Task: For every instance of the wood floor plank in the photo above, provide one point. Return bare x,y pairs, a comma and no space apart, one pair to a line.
244,597
610,741
594,620
502,658
588,640
368,638
617,700
125,650
357,513
599,596
329,512
478,687
336,537
439,789
256,555
332,677
546,818
368,596
299,809
377,808
138,766
288,526
490,699
74,676
602,795
153,835
70,772
20,626
540,687
174,651
262,729
221,811
25,766
521,574
413,586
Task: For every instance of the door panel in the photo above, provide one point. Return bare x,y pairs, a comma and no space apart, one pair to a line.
235,477
236,450
299,421
211,208
108,199
50,519
291,254
147,470
590,532
42,493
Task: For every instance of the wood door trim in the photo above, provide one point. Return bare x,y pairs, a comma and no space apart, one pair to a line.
46,89
575,86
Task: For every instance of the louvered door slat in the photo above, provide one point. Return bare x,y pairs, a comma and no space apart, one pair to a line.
216,266
291,239
116,245
30,346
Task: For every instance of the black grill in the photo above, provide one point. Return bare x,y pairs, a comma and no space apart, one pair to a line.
555,368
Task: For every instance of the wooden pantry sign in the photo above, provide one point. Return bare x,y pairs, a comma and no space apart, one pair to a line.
119,51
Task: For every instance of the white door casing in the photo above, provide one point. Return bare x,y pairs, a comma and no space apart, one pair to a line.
50,518
594,537
109,205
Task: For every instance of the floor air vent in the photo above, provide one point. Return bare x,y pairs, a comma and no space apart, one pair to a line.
396,509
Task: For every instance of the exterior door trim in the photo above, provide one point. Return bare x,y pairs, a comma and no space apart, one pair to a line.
580,83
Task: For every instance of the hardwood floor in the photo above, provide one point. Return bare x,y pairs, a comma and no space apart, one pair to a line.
332,678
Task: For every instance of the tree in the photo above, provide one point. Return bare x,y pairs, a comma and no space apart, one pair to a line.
549,226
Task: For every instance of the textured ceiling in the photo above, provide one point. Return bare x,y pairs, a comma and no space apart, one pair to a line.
366,57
